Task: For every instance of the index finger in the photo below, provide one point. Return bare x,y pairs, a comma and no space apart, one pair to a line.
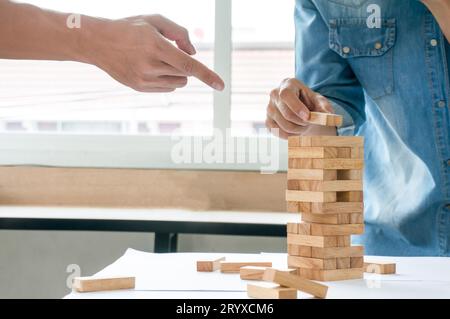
191,66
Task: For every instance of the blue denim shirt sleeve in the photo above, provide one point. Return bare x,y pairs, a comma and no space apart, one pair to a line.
325,71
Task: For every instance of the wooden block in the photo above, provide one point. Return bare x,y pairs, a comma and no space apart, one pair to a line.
331,186
333,219
353,196
304,229
313,263
383,268
313,241
343,241
257,273
91,284
298,141
337,252
357,262
324,141
328,163
311,174
349,174
325,119
293,184
318,152
234,267
209,265
331,275
299,250
343,263
335,208
292,228
336,230
306,196
357,152
296,282
273,292
293,207
356,218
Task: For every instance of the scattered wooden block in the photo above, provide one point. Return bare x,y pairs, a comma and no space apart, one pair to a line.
91,284
331,186
336,230
318,241
325,119
312,174
383,268
299,250
337,252
343,263
353,196
209,265
273,292
257,273
296,282
311,263
324,141
331,275
305,196
326,163
234,267
331,207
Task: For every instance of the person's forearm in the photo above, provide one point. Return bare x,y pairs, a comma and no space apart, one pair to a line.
441,11
28,32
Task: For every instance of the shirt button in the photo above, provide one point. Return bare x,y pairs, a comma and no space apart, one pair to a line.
441,103
433,42
378,45
346,50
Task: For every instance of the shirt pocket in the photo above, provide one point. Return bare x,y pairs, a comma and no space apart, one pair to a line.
368,51
350,3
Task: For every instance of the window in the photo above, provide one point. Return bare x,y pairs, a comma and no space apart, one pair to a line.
71,114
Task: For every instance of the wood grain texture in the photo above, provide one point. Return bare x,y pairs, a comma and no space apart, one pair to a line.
325,119
312,263
92,284
296,282
276,292
322,152
234,267
336,230
331,186
257,273
383,268
318,241
337,252
326,163
331,275
312,174
209,265
140,188
324,141
306,196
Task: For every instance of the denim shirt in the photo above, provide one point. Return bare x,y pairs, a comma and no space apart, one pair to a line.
390,81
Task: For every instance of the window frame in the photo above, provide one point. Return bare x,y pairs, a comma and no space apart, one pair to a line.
134,151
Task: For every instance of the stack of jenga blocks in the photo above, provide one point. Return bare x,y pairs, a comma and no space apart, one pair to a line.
325,186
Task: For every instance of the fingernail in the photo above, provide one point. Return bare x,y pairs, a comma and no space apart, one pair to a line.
304,116
218,86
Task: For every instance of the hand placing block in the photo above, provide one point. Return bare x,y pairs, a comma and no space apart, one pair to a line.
209,266
234,267
296,282
325,119
91,284
271,292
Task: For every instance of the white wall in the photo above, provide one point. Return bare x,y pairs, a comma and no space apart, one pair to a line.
33,263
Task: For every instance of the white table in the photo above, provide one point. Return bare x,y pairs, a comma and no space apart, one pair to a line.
416,278
166,224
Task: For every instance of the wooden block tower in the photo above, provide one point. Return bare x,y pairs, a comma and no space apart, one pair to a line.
325,186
